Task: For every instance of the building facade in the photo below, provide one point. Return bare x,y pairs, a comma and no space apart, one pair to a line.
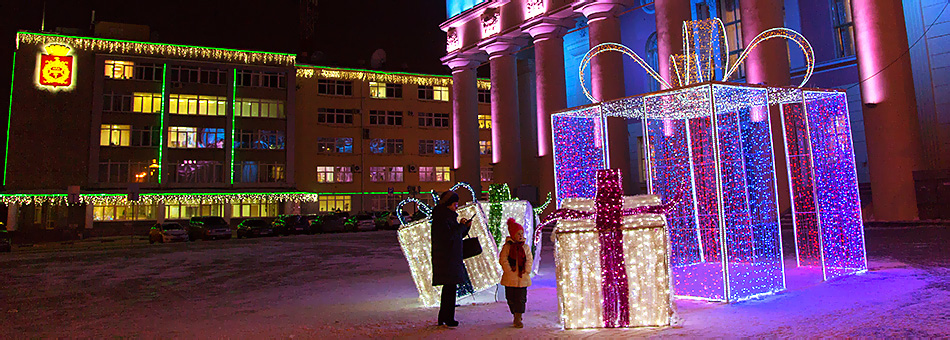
190,131
368,139
894,87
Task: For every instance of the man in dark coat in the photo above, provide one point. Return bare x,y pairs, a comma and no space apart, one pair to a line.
448,270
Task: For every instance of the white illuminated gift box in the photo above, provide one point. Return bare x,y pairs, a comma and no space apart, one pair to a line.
523,213
636,292
415,238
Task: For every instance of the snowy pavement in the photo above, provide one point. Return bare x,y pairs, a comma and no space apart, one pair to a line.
358,285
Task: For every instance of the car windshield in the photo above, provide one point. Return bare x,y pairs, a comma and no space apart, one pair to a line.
171,226
215,220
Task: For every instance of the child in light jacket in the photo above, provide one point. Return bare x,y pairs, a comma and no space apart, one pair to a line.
515,259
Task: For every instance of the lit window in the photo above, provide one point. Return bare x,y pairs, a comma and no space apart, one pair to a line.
184,211
844,27
192,137
331,203
335,145
334,174
257,172
380,117
434,174
265,108
487,173
123,212
253,208
484,121
433,119
189,104
115,135
385,90
118,69
385,174
387,146
438,93
128,172
434,147
730,14
259,139
484,147
146,102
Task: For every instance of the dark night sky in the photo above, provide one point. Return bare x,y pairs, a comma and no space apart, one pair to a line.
346,31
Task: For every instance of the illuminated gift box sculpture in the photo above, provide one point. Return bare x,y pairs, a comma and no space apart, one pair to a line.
484,271
709,153
611,257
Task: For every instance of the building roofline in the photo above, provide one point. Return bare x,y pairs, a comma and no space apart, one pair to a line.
382,76
141,47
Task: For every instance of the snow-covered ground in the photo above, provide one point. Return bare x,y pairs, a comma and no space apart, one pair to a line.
358,285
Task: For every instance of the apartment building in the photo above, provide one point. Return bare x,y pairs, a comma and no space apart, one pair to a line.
366,140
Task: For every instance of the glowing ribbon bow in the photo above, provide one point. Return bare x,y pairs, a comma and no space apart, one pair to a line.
699,63
425,208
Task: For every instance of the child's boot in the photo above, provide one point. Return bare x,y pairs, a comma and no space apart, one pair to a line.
517,322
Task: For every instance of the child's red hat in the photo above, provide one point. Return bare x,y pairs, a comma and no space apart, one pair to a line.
514,227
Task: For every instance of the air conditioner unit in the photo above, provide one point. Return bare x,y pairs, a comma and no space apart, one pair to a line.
412,168
355,168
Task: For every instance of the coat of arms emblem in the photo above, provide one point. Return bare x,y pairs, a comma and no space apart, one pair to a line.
56,67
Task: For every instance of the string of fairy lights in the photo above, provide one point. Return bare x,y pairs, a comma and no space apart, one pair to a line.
155,198
157,49
308,71
709,153
612,270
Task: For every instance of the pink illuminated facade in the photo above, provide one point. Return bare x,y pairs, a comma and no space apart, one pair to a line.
547,37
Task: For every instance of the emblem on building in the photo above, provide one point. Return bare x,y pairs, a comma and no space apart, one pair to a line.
56,67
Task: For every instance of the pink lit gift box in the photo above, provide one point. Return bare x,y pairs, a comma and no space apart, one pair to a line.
611,258
710,149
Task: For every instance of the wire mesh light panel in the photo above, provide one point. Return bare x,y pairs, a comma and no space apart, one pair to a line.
579,138
522,212
710,150
415,239
829,232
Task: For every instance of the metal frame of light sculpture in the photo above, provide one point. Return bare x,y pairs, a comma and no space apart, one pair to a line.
415,239
723,134
605,47
779,32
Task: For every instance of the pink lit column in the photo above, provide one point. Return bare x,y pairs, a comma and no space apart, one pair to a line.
607,82
890,107
505,120
670,15
768,64
465,120
551,93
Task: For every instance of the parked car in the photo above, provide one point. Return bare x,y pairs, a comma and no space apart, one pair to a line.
363,222
388,220
329,222
167,232
254,228
6,245
291,225
208,228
